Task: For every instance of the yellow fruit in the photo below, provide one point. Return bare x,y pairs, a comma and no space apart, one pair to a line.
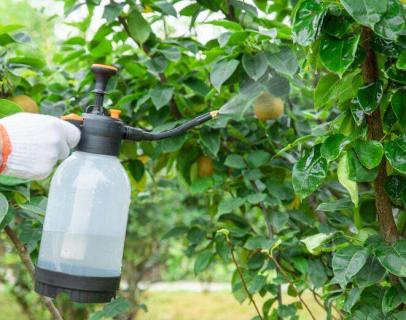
26,103
205,166
268,107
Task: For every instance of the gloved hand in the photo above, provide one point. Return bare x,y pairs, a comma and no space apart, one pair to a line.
33,143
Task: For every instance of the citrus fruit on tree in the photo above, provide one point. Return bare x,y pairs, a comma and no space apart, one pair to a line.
268,107
26,102
205,166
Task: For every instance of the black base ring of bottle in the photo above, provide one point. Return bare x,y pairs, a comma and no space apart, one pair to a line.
80,289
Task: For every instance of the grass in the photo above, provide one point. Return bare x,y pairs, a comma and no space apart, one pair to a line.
184,306
210,306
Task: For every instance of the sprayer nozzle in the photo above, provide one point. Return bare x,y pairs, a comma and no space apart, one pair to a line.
214,114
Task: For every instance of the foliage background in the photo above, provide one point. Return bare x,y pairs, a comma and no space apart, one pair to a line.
314,201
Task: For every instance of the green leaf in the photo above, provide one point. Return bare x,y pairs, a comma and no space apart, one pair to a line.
201,184
6,39
256,283
197,86
357,113
165,7
222,71
235,161
317,273
227,24
332,146
396,74
256,198
28,60
171,53
343,173
203,260
338,54
347,263
352,298
395,152
138,27
229,205
309,172
336,25
254,65
325,90
395,186
259,242
369,96
196,235
307,21
8,108
175,232
367,312
369,153
237,287
401,62
336,205
393,297
372,272
161,96
112,309
357,172
10,28
210,140
102,49
393,258
366,12
392,22
314,242
172,144
137,169
11,181
401,315
3,207
283,61
258,158
112,11
398,106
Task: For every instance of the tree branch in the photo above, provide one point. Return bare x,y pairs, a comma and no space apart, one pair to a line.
26,259
244,283
299,295
375,132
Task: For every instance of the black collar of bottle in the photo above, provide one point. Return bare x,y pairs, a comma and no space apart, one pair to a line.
101,134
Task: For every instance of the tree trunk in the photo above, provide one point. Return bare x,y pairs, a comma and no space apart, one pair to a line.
387,224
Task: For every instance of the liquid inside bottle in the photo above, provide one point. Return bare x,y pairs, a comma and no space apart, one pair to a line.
86,218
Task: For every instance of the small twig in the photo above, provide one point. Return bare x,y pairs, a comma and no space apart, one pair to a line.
299,295
244,283
317,298
26,259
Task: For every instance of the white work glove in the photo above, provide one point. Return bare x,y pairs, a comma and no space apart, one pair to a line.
33,143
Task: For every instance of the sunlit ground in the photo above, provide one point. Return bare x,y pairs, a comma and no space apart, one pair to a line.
183,306
209,306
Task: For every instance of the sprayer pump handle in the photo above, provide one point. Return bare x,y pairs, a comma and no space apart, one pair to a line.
102,74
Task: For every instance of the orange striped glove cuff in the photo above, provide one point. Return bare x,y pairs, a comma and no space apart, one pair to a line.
6,149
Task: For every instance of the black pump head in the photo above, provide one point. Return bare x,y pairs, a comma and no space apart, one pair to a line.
102,74
101,133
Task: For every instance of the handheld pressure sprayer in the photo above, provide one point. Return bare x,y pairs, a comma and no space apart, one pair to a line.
84,229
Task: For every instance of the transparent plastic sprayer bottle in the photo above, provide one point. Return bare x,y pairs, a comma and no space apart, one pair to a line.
86,218
84,229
